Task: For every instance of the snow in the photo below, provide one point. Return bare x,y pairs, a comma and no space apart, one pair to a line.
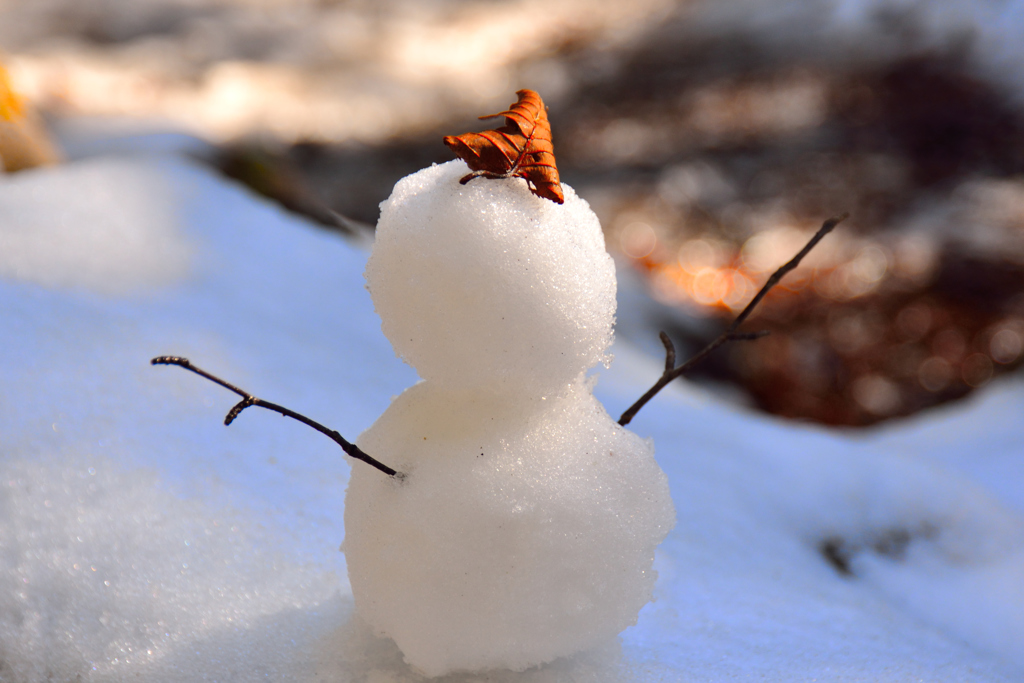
525,525
112,231
929,512
988,33
485,283
525,530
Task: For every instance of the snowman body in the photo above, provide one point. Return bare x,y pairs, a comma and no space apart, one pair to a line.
526,525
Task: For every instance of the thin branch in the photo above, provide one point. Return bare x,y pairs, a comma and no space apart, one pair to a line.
249,400
670,351
730,334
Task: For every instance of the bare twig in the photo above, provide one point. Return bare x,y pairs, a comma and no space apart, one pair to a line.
730,334
249,400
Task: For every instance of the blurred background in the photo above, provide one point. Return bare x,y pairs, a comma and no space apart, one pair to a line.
712,137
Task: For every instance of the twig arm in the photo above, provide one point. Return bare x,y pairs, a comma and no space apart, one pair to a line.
670,350
671,371
826,227
249,400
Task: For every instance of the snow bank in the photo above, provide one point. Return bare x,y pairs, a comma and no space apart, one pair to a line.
945,551
744,590
108,576
107,227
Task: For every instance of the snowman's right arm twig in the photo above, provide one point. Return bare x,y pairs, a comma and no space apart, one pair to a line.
249,400
672,371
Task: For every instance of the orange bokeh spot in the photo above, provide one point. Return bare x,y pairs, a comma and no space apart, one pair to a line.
10,104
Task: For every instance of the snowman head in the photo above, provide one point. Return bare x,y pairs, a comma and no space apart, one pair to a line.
485,286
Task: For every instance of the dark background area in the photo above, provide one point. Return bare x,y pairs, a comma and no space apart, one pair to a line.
711,138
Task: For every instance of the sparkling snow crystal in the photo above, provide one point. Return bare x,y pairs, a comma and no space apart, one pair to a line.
526,528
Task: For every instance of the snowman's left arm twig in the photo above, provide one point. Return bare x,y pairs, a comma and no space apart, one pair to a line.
249,400
672,371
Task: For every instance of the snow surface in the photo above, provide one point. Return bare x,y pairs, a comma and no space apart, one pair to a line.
142,540
107,229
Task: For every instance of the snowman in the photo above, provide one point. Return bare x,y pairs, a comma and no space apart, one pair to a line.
525,525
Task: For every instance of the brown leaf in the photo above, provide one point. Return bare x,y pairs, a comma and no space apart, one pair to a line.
519,149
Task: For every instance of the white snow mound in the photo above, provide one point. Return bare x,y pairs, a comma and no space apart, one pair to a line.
106,577
526,527
525,530
485,282
104,226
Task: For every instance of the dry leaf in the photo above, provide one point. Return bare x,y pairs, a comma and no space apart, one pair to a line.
519,149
